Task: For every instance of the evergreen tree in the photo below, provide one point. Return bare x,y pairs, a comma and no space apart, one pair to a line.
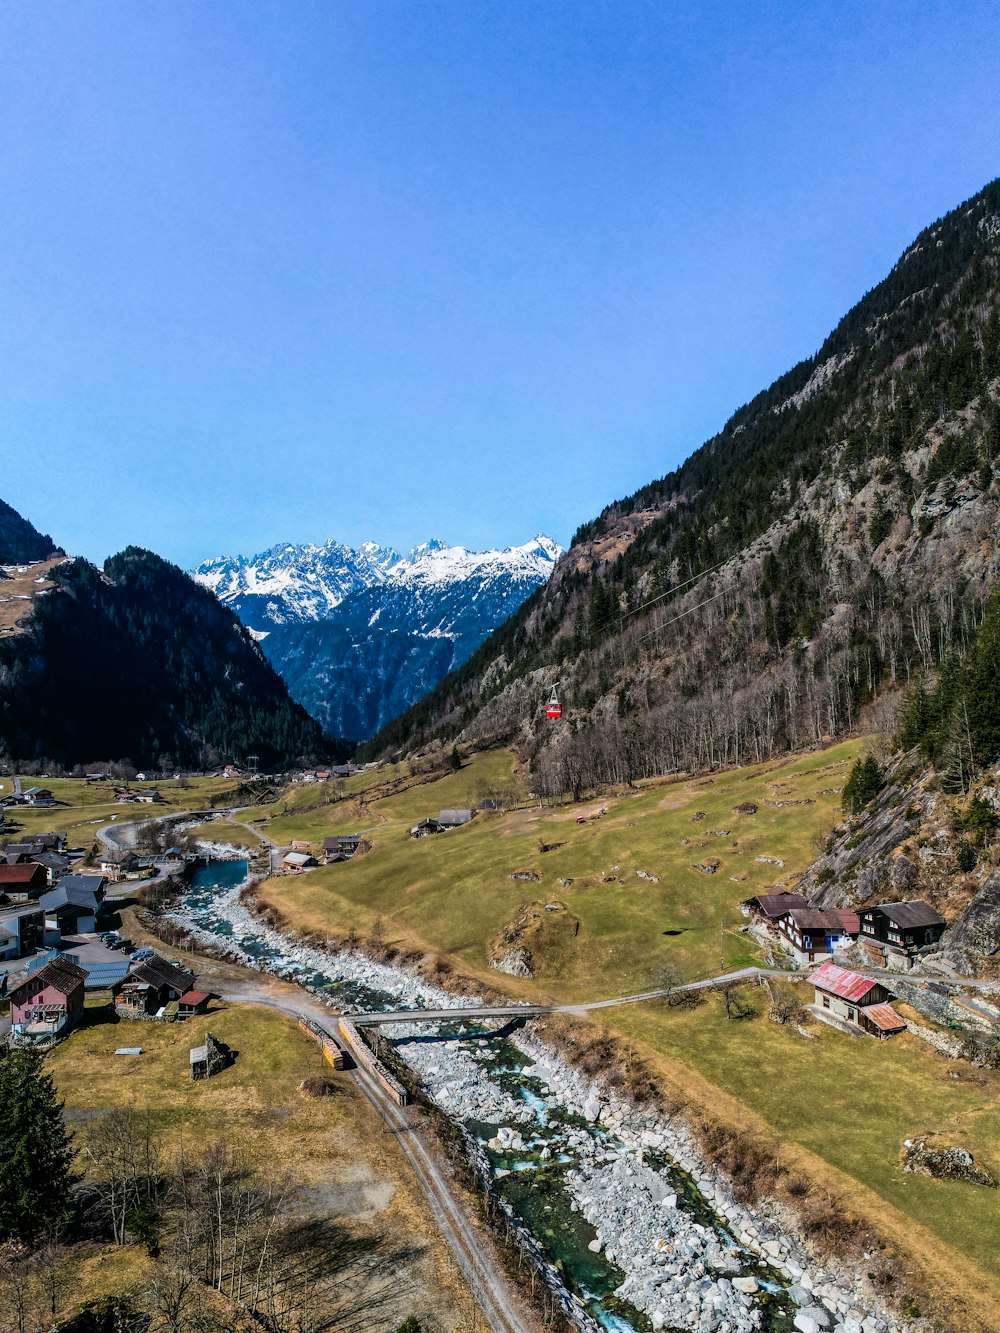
864,783
982,695
36,1153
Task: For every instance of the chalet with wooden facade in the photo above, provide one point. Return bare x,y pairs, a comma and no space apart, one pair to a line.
897,935
46,1005
341,849
809,934
856,1000
767,909
151,988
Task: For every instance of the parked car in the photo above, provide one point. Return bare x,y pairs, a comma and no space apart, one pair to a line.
125,946
140,954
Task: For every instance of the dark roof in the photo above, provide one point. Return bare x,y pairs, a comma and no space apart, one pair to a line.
90,883
777,904
58,972
810,918
66,894
454,816
156,971
840,981
909,914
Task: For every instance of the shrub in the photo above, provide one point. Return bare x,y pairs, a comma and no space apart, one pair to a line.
966,857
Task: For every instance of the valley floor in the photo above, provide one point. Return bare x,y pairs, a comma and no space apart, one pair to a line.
836,1108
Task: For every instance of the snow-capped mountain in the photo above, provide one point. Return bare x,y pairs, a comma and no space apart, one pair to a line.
361,634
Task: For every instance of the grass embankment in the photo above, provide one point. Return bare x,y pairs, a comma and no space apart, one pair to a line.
333,1149
840,1107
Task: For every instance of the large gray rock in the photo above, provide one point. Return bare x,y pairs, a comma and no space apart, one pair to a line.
977,932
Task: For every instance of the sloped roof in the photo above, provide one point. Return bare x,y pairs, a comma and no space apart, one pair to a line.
454,816
777,904
810,918
297,858
156,971
194,997
840,981
849,920
22,874
66,894
91,883
915,912
884,1017
59,973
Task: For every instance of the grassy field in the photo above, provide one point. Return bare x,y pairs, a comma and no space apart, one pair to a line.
840,1107
615,929
81,807
333,1149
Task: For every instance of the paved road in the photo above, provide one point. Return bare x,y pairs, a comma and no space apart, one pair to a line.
489,1287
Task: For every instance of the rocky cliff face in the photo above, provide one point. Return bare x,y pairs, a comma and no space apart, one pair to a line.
359,635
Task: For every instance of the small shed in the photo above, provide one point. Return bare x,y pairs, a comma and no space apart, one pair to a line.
209,1059
454,818
296,861
193,1002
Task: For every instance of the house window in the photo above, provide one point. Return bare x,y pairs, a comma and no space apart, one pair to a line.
826,1001
850,1014
868,926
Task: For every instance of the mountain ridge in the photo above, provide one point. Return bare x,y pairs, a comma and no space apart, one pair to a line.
835,534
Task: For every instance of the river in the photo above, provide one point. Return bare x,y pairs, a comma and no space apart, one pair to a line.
619,1201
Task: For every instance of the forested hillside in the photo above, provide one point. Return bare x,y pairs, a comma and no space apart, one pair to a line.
139,663
837,536
20,542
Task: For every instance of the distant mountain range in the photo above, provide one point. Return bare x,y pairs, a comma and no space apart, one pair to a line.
360,634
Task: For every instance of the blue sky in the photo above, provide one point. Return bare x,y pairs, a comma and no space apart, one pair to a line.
401,268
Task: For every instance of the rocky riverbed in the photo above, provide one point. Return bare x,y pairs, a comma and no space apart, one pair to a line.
658,1240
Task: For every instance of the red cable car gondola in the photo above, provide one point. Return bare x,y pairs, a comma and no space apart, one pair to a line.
553,708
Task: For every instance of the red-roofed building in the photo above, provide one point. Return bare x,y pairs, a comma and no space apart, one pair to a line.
856,999
192,1002
22,882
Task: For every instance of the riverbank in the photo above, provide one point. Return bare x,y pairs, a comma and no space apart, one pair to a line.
688,1255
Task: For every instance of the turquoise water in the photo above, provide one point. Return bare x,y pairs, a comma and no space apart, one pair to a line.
535,1189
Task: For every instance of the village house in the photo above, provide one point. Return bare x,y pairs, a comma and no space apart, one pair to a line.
809,934
56,865
119,865
295,862
46,1005
38,797
854,999
21,883
340,849
150,989
767,909
898,934
425,827
71,908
